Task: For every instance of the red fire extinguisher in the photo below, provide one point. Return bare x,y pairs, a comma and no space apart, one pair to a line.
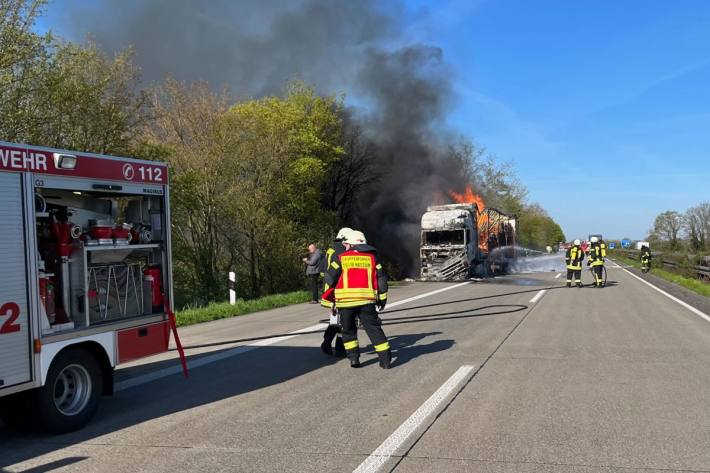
46,294
152,276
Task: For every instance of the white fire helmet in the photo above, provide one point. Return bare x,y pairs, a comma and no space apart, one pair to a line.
355,237
342,233
594,239
577,242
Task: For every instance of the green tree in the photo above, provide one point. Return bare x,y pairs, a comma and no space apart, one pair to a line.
696,222
666,227
246,183
59,94
24,67
536,229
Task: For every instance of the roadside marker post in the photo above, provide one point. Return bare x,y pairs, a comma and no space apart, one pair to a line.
232,288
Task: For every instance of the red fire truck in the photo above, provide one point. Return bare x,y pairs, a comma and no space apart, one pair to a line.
85,278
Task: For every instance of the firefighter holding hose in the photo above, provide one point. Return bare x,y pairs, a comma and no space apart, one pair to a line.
357,283
333,331
573,258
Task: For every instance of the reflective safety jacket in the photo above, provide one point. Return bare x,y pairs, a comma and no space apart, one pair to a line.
645,256
356,278
574,257
597,252
335,250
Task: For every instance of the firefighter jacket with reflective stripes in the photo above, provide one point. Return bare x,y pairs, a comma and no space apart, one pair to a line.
335,250
356,278
645,256
597,252
574,257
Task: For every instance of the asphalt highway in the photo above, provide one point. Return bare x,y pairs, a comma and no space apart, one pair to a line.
513,374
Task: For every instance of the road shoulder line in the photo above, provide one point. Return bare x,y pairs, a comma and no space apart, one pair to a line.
697,312
208,359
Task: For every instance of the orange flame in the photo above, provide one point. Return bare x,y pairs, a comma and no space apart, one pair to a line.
469,197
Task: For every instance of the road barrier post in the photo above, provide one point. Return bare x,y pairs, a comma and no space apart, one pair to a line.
232,288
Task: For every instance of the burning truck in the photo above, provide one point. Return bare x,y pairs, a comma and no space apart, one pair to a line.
466,239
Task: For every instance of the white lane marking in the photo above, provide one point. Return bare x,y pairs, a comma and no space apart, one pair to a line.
385,451
208,359
558,275
538,295
684,304
427,294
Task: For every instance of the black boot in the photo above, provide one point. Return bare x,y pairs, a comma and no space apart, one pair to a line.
385,359
325,346
354,362
569,284
339,348
579,284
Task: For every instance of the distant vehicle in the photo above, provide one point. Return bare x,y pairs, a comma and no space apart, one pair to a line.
641,244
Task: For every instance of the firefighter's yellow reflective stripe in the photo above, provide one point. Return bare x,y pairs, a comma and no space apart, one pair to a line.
383,296
334,265
348,303
382,346
346,294
351,345
353,302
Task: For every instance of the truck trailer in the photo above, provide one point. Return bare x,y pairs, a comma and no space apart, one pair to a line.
86,280
459,242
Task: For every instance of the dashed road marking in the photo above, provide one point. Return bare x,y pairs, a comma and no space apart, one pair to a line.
390,446
558,275
538,295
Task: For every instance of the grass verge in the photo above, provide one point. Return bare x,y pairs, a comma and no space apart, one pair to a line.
694,285
223,310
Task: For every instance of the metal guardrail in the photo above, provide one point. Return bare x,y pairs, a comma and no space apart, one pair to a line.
702,271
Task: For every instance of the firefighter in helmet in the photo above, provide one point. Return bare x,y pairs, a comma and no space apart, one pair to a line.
597,253
357,283
573,258
645,259
333,331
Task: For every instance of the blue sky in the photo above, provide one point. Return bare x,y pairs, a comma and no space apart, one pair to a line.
603,107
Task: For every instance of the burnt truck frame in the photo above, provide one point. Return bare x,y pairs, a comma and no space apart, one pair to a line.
459,242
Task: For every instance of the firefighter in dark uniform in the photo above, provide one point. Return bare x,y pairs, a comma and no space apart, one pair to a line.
597,253
333,331
357,283
645,259
573,258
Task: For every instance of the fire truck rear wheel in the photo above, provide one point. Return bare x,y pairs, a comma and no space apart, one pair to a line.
72,392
